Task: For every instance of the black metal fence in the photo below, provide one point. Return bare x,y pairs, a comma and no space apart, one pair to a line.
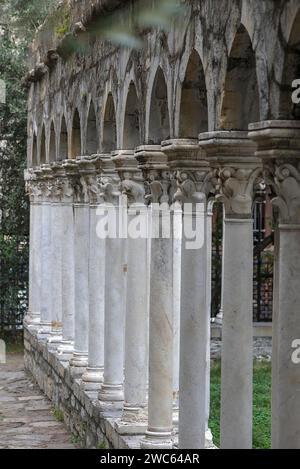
13,283
262,267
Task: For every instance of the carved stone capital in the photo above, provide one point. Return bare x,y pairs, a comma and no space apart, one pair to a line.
109,181
195,180
131,178
237,169
159,183
278,145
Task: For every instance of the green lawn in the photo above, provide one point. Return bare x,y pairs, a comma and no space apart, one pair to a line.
261,404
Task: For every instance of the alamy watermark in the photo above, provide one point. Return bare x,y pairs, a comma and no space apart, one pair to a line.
296,93
2,352
296,352
2,92
138,223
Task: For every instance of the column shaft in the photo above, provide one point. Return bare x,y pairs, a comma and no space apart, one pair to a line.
237,336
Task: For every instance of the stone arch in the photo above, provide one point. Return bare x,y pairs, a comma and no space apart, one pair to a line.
43,146
52,144
240,100
109,141
193,108
159,120
91,131
63,140
291,71
76,135
34,152
131,129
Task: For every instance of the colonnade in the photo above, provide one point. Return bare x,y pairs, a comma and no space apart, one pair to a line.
131,316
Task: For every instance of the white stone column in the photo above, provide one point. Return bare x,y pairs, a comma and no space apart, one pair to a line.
56,258
279,147
112,387
93,375
238,171
46,260
153,163
134,417
66,348
32,319
193,177
209,217
79,360
177,238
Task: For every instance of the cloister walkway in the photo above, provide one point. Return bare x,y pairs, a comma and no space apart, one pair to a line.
26,417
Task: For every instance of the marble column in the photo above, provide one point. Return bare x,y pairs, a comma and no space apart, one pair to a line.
279,147
92,378
177,240
79,361
56,258
46,260
112,387
32,319
153,163
66,348
134,417
233,154
209,217
193,177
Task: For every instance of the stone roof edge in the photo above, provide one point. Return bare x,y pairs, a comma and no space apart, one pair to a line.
71,17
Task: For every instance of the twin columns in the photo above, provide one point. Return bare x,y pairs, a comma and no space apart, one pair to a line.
131,315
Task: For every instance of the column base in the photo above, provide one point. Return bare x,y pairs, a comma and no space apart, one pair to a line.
209,444
134,420
112,393
44,331
78,363
157,440
32,321
53,342
92,379
65,350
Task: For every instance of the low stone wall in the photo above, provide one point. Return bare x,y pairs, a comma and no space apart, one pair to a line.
92,426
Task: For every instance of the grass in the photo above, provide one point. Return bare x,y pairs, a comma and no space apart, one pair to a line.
58,414
261,404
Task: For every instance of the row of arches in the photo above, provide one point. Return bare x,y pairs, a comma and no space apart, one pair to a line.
240,106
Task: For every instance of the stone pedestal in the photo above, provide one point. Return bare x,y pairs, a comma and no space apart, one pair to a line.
193,178
153,163
279,147
232,154
112,387
134,416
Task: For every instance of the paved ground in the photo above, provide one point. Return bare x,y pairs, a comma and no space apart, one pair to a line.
26,419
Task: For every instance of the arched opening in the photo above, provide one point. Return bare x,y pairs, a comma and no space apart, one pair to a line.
193,111
291,72
76,136
63,142
92,135
159,123
131,137
43,147
34,161
240,96
52,147
109,142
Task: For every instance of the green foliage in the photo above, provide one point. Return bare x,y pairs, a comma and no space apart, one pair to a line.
19,21
58,414
261,404
62,20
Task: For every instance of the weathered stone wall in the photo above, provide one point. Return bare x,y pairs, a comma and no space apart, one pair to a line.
209,27
82,414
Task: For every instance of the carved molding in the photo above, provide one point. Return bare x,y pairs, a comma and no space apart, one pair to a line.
194,186
284,179
236,188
